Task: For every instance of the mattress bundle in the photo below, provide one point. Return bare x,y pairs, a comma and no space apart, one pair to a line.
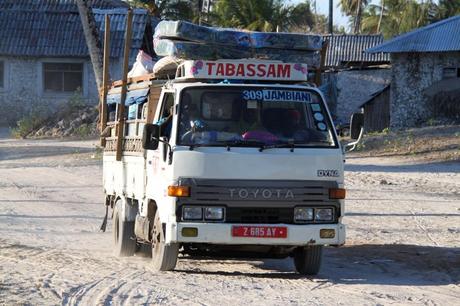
184,40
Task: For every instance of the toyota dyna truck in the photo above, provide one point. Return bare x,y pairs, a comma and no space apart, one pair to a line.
228,157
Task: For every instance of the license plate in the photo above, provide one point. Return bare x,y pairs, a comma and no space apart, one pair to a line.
259,231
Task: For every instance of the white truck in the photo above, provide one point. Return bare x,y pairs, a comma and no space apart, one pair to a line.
233,157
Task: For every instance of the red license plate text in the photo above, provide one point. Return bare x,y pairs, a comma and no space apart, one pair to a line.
259,231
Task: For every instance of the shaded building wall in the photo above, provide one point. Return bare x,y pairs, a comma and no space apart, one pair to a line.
329,90
411,74
23,90
355,87
377,112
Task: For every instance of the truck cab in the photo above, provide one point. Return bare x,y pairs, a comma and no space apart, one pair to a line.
229,163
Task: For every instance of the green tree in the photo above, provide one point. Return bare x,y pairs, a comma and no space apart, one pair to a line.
395,17
372,19
354,9
267,15
171,9
302,18
256,15
447,8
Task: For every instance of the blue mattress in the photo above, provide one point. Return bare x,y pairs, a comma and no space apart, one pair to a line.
193,51
186,31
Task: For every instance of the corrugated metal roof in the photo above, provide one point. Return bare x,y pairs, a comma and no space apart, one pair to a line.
58,5
442,36
60,33
344,49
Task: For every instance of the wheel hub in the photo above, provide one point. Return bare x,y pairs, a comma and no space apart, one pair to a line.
156,236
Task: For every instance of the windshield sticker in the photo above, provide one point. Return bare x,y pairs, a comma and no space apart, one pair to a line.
277,95
315,107
321,126
252,104
318,116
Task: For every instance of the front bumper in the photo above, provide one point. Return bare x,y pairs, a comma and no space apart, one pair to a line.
221,233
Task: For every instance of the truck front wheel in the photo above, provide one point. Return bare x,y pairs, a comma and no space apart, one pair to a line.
123,233
307,260
164,256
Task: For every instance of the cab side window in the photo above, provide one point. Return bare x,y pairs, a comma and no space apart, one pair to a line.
166,116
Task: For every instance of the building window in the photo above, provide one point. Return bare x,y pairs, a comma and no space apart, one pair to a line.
2,74
62,77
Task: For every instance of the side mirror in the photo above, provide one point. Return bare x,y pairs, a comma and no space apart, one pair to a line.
150,136
356,125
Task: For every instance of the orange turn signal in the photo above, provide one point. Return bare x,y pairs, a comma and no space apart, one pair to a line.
178,191
337,193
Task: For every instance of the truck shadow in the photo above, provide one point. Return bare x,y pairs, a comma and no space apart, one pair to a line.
388,264
393,264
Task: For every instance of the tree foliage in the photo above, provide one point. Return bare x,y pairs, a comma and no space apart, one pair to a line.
394,17
171,9
268,15
354,9
447,8
257,15
389,17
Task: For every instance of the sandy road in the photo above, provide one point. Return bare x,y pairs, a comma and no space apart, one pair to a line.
403,242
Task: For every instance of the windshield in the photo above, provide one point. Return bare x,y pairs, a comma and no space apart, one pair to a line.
253,116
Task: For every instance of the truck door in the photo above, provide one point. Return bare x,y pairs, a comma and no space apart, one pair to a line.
158,160
165,120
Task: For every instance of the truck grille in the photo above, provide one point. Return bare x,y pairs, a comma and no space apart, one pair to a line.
259,215
258,192
258,201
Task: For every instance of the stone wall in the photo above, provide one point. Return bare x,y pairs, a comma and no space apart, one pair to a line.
411,74
354,87
23,87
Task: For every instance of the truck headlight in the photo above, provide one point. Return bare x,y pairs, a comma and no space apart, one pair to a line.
324,214
192,213
303,214
214,213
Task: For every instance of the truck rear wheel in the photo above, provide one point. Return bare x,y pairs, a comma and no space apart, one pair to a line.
144,250
123,233
164,257
307,260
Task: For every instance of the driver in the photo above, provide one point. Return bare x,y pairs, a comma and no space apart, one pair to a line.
252,128
189,113
165,123
293,128
250,120
291,123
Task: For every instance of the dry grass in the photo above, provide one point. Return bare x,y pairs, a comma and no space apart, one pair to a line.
427,143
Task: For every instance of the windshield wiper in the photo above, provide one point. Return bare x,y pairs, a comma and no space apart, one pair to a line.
244,143
196,145
290,145
233,143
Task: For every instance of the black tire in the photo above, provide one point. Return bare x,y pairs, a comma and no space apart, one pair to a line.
307,260
164,257
356,124
144,250
123,234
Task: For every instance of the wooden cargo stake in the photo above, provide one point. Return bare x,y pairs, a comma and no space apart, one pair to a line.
121,108
320,70
105,79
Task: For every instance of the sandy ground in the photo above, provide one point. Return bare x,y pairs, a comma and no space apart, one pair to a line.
403,244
